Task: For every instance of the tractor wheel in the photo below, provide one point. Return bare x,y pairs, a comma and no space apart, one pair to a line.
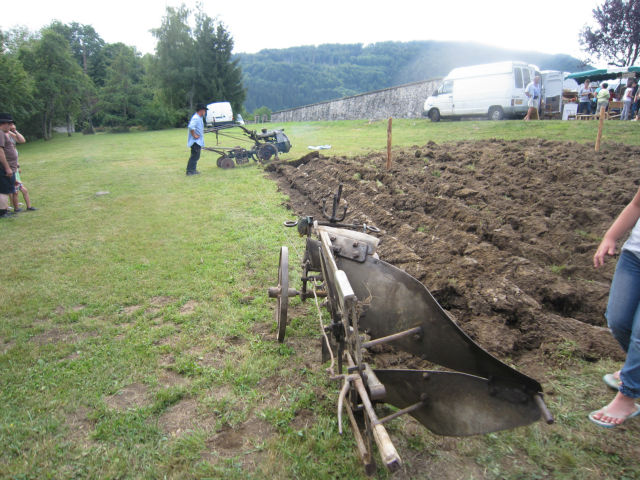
226,162
266,151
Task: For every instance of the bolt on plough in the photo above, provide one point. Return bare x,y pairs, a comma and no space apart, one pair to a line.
371,303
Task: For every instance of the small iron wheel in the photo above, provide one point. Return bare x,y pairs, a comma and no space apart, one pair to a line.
283,296
226,162
266,151
219,161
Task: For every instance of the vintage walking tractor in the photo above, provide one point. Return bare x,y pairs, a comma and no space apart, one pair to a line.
265,144
371,302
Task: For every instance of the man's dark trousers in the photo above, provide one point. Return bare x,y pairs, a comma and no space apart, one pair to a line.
193,159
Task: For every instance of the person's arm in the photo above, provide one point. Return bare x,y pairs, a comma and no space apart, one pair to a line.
3,161
625,222
17,135
192,129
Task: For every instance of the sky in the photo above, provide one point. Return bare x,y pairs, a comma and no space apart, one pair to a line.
548,26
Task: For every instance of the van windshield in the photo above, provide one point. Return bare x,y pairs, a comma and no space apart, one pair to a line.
446,87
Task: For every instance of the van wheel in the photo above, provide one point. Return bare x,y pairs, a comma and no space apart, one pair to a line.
496,113
434,115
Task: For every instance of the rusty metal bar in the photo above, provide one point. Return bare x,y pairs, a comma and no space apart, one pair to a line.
399,413
395,336
546,414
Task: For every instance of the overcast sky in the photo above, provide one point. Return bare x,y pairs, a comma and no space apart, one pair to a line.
549,26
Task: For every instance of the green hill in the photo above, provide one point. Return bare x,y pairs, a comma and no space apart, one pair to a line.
290,77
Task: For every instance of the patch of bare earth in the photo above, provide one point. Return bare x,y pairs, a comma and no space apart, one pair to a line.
131,309
188,307
184,417
243,442
132,396
80,426
169,378
56,335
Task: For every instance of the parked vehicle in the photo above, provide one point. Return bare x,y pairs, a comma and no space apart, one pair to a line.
493,90
219,113
552,87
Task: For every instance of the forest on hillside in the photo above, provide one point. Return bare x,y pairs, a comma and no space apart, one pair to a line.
290,77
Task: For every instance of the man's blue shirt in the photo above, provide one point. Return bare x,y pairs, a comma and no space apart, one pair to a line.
196,124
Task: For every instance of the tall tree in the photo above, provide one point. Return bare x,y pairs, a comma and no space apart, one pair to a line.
173,67
16,87
123,94
58,79
217,76
195,65
616,38
87,48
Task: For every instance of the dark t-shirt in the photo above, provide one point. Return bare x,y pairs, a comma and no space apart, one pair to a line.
10,152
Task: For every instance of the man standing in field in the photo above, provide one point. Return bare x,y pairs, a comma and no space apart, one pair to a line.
533,94
8,156
195,141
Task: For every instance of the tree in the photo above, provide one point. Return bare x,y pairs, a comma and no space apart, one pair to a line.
173,66
217,76
195,65
87,48
16,87
58,80
616,38
123,94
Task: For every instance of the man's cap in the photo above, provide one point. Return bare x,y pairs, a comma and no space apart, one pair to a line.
6,118
200,106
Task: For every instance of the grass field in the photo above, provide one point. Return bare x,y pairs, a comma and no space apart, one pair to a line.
136,337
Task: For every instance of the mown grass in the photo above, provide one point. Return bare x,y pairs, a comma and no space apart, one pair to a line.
120,311
362,136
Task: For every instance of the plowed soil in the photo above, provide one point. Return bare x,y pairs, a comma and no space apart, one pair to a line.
501,232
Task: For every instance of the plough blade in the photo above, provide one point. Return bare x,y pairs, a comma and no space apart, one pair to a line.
393,301
457,404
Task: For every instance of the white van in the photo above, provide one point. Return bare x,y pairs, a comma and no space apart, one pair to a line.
495,90
219,113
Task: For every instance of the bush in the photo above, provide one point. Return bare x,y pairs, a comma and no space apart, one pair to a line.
156,116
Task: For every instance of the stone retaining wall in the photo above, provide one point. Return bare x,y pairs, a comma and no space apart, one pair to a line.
404,101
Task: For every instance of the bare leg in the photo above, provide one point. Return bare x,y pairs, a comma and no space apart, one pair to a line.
14,201
25,195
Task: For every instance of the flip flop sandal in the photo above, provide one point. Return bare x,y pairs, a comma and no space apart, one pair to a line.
604,424
611,381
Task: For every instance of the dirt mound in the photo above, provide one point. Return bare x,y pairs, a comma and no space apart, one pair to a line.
501,232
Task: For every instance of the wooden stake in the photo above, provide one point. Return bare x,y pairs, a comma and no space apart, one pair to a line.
600,123
389,144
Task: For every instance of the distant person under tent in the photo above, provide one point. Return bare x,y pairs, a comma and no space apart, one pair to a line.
602,98
584,97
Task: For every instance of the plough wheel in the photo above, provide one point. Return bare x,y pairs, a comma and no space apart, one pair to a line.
226,162
283,297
